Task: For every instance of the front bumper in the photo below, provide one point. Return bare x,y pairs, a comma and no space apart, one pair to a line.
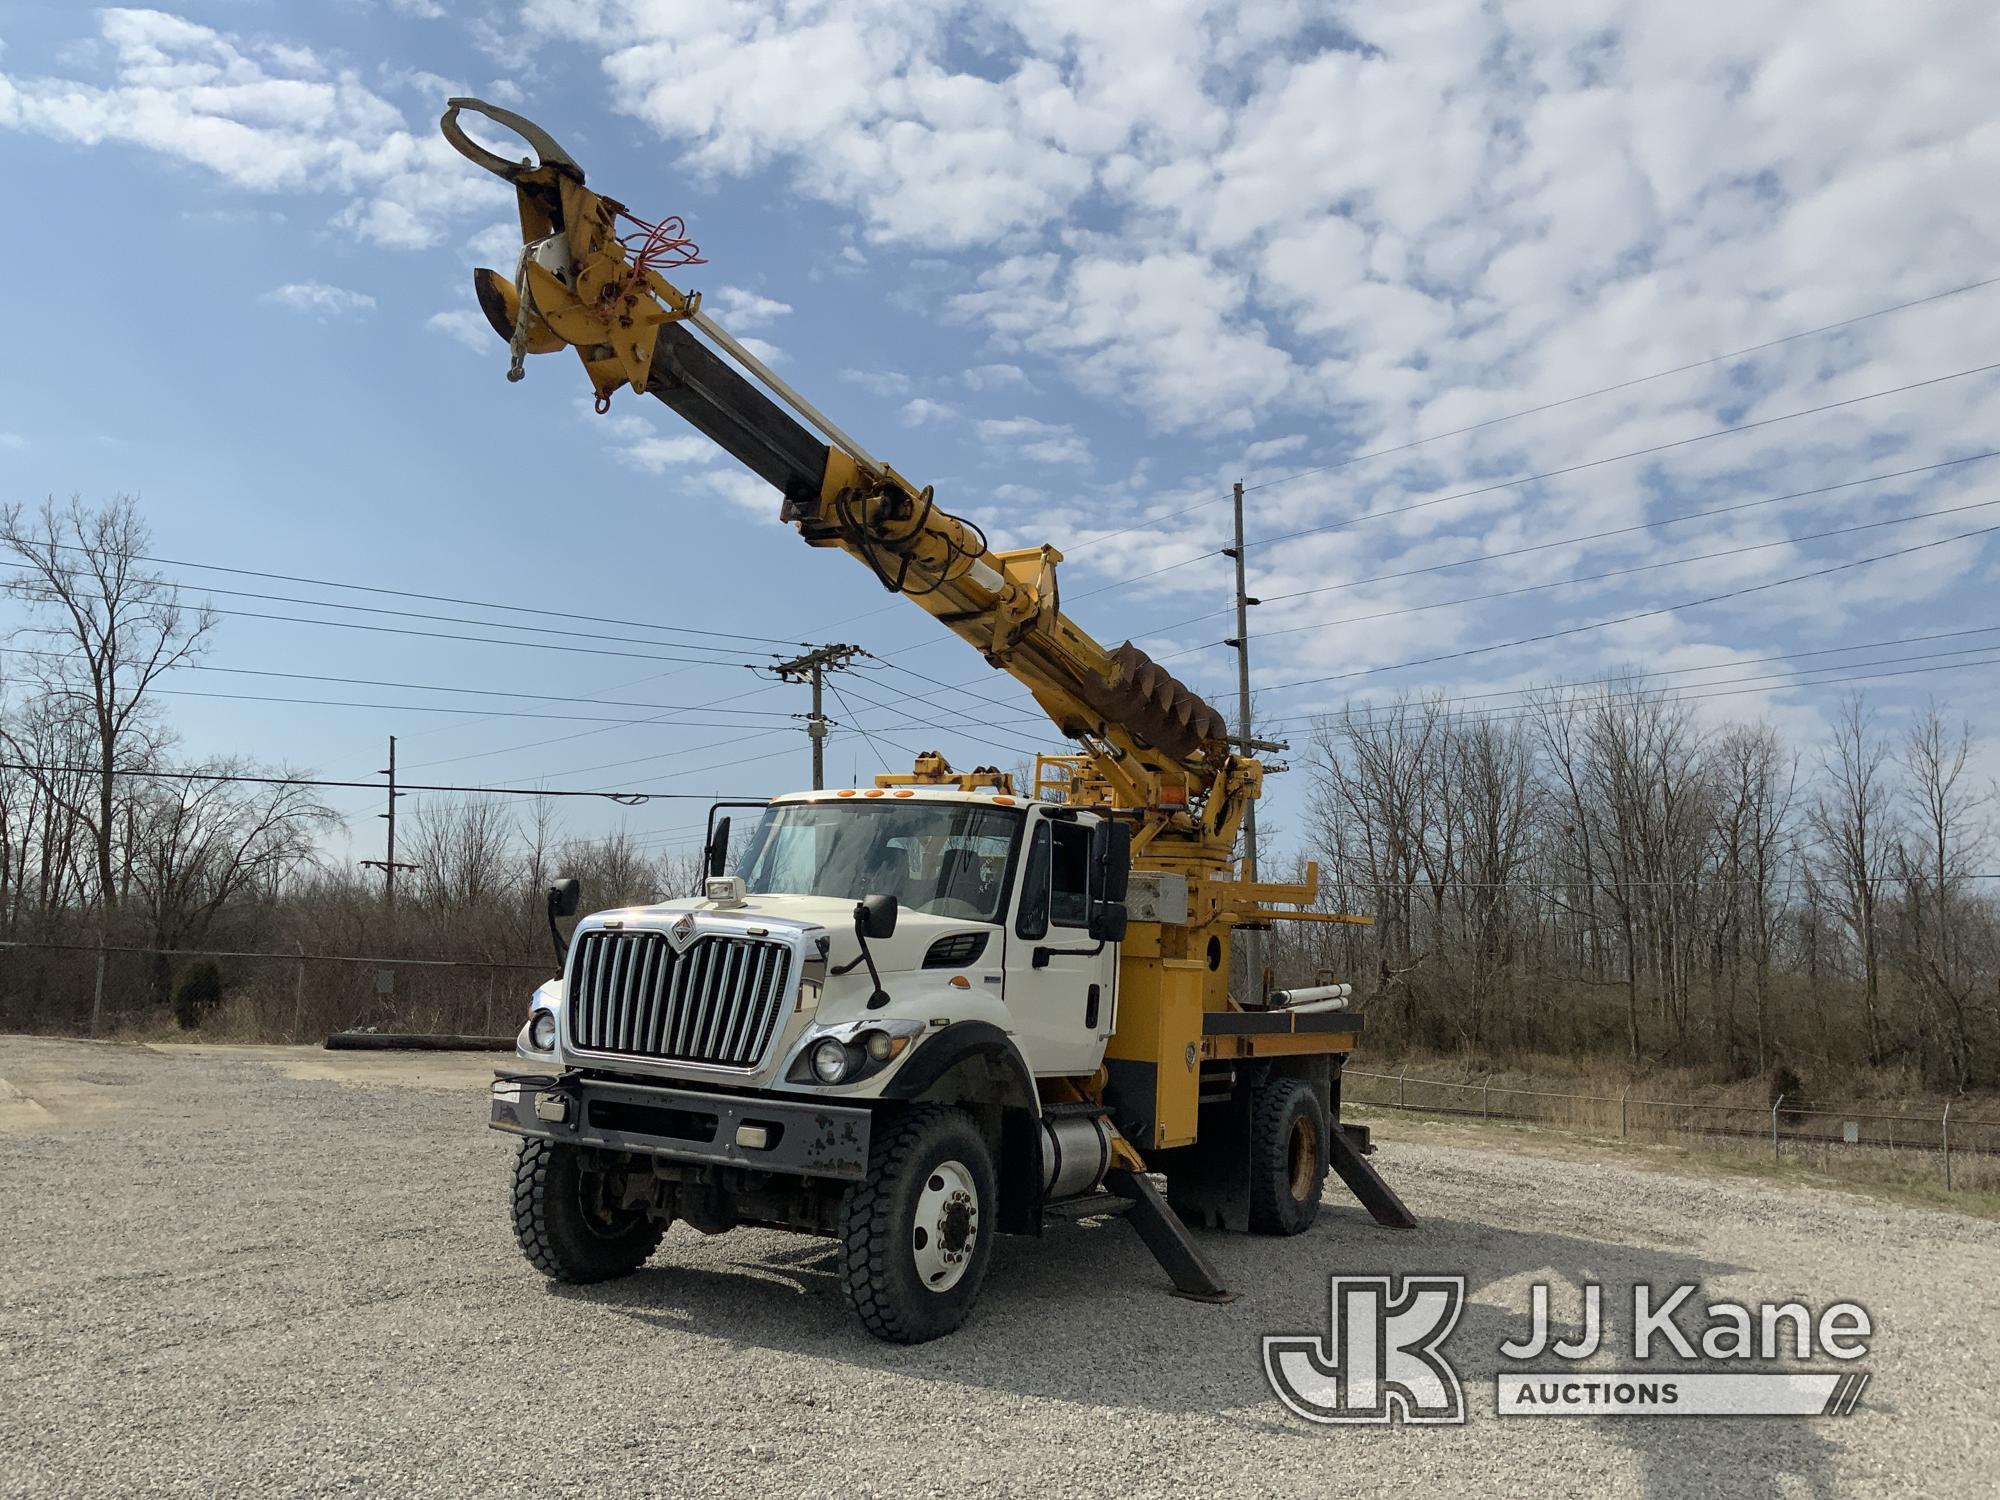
798,1138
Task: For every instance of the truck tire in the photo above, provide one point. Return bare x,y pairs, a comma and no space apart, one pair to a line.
1288,1156
565,1229
917,1232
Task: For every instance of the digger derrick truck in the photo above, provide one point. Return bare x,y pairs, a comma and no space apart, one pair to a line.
922,1014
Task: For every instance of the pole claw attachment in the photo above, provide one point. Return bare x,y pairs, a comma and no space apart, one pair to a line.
549,154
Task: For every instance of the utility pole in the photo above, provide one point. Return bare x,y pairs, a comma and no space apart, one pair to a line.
812,668
387,864
1253,941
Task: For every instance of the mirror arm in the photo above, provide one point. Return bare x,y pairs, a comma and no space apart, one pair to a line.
555,933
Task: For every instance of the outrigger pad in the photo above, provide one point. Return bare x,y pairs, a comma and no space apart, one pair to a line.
1366,1183
1167,1238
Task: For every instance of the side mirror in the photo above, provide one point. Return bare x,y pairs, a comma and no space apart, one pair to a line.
875,917
718,847
565,896
1111,853
1107,922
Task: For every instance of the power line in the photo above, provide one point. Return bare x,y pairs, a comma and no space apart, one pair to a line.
431,687
1633,676
1556,583
632,798
1593,536
654,759
171,562
436,635
1636,615
23,587
1519,480
905,697
1603,390
855,719
1596,463
453,708
1671,693
946,686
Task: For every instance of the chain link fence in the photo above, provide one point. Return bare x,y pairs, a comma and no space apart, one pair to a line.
275,996
1952,1146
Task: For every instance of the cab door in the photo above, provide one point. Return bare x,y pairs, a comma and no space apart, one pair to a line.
1059,985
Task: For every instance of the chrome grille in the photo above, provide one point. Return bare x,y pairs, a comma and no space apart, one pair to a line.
718,1002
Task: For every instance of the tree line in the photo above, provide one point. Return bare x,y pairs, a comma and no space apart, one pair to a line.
1605,870
1602,870
112,837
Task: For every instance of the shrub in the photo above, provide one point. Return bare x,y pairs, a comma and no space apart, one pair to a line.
199,990
1786,1084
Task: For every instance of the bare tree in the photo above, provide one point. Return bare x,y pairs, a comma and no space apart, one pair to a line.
1757,780
200,846
1947,832
107,628
1853,819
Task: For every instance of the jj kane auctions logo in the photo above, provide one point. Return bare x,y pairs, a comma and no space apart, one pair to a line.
1383,1358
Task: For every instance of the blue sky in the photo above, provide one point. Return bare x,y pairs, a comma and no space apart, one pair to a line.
1075,266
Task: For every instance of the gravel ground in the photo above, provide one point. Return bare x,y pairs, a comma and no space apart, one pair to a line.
281,1271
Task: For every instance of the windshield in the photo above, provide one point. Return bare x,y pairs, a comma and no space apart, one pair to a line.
945,858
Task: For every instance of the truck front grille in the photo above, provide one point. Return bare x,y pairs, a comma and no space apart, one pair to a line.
717,1003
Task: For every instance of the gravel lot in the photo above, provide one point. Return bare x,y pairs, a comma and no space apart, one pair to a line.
284,1271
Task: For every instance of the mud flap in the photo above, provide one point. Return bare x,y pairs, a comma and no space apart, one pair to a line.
1168,1239
1366,1183
1210,1180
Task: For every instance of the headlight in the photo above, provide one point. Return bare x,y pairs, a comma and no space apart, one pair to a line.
829,1061
542,1031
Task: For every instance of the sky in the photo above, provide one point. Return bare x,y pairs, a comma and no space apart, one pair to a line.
1447,286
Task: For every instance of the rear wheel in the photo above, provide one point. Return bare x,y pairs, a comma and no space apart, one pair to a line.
917,1234
1288,1156
566,1218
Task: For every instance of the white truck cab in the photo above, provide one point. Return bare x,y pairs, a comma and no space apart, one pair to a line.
925,960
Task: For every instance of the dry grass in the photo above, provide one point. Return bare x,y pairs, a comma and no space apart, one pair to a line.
1889,1180
1897,1130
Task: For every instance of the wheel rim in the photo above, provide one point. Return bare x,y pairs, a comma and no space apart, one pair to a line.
598,1216
945,1231
1302,1153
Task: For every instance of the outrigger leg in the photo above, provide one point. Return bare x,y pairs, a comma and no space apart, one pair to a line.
1193,1276
1365,1182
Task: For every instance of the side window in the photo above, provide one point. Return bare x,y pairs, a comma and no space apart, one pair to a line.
1034,919
1069,894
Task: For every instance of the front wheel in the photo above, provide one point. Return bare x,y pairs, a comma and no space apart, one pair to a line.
567,1220
917,1233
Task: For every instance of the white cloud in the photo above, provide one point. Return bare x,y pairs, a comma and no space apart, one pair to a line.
1270,448
320,300
1043,442
12,441
498,245
996,377
265,117
737,308
768,352
878,382
467,327
922,411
